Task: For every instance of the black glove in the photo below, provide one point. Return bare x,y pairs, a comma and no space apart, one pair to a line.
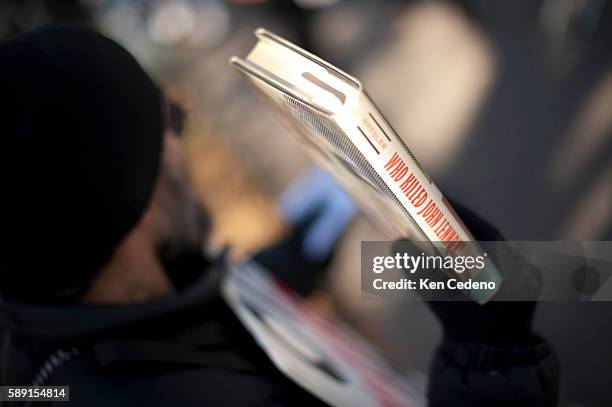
286,261
498,323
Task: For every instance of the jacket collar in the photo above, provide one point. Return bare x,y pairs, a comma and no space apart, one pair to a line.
56,324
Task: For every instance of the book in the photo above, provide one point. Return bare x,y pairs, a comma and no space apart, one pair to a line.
343,131
319,352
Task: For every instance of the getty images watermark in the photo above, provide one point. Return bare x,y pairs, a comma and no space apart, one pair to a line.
523,271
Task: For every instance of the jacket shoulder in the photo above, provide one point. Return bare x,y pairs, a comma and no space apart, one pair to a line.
474,374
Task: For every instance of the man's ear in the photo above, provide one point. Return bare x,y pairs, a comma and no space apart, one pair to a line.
154,223
133,274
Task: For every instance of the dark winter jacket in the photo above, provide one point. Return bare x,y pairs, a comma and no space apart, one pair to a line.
190,350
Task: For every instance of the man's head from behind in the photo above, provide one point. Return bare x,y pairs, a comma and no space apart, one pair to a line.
87,164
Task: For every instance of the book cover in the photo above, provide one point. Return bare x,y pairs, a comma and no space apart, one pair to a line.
344,132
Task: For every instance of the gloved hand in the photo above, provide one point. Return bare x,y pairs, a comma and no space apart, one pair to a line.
498,322
319,213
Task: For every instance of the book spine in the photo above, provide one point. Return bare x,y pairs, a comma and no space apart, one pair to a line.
401,171
412,186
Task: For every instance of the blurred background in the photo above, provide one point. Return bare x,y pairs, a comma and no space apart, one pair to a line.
507,103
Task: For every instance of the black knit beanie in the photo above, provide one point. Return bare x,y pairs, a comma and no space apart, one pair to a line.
80,144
